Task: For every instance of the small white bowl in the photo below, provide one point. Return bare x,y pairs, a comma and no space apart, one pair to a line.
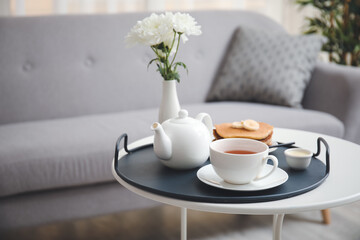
298,158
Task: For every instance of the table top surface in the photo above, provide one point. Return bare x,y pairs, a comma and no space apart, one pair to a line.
340,188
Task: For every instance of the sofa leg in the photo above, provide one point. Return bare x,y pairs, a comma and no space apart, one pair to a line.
326,216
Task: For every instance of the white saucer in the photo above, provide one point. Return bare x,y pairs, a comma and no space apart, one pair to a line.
207,175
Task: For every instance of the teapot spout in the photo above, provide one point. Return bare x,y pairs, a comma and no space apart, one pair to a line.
162,143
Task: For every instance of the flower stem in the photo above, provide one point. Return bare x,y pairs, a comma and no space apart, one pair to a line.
164,67
177,48
167,66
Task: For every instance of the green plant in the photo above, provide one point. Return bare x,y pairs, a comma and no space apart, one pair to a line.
163,32
339,22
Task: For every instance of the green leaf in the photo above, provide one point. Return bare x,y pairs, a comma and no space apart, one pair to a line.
182,65
174,75
343,37
304,2
160,46
161,70
311,31
162,59
357,48
155,59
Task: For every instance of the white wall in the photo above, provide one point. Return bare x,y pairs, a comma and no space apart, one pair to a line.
285,12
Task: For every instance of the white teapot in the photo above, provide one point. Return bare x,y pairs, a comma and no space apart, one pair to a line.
183,142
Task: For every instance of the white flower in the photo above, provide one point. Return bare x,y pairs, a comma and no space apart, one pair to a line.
159,28
185,24
151,31
162,33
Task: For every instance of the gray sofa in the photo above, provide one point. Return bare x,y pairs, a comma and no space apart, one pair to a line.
69,87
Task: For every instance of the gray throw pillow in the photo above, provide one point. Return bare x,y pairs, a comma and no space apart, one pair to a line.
266,67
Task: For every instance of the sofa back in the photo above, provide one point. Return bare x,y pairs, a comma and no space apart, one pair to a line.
65,66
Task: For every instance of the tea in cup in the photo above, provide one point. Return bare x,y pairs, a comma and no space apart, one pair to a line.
240,161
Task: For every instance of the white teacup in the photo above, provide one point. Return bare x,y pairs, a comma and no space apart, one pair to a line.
241,168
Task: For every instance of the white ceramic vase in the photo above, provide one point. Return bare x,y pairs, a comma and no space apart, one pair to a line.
169,106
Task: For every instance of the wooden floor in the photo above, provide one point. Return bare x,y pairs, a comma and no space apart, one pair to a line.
163,222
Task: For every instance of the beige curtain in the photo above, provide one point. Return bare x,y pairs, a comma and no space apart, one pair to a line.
285,12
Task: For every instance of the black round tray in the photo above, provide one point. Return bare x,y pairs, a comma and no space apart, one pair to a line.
141,168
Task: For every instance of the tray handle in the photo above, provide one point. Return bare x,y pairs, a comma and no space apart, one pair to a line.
118,148
327,154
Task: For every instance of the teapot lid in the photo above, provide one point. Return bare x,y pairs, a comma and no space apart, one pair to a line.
183,114
183,118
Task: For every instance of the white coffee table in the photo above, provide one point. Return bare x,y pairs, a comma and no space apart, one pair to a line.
340,188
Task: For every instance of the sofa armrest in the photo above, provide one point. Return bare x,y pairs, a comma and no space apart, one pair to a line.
335,89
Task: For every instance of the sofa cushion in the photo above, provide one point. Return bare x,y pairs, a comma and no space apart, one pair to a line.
65,152
78,151
278,116
266,67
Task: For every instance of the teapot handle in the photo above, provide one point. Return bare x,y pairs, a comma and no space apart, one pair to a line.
206,119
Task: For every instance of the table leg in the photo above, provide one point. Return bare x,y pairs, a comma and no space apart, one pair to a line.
183,223
277,226
326,216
